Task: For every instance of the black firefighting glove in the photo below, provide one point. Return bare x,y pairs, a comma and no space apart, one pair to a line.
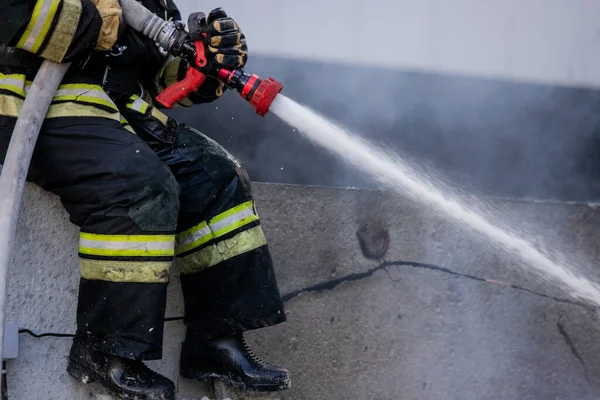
225,43
225,46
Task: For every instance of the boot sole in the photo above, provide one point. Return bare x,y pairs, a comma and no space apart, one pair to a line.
86,375
206,377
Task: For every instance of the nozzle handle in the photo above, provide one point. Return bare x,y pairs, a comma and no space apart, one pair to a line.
191,83
180,90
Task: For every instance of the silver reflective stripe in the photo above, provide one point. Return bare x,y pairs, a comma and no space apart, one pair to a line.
232,219
191,238
85,94
14,83
113,245
139,105
98,94
41,26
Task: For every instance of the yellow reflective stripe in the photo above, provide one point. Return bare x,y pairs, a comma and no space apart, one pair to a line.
214,254
129,129
138,105
140,251
231,211
83,86
125,271
226,222
127,245
80,110
85,99
125,124
10,106
126,238
164,119
14,89
84,93
39,25
194,239
233,222
14,82
65,30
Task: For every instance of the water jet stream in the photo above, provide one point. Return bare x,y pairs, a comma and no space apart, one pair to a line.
395,173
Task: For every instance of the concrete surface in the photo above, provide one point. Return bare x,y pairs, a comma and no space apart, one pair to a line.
411,333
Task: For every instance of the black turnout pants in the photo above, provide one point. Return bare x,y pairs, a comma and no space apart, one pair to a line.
142,200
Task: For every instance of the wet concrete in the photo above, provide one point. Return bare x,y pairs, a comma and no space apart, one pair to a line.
431,322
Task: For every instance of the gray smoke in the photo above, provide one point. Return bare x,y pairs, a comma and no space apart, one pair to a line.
493,136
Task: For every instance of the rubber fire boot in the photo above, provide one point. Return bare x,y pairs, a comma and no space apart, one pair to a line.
230,360
122,378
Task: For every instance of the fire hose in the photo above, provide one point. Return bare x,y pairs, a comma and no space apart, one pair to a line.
168,35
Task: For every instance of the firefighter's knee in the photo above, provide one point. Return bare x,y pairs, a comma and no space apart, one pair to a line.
225,170
155,203
237,179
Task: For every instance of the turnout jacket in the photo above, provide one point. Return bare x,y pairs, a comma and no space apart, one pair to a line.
98,83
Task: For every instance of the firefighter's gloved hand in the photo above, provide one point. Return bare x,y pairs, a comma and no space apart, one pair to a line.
225,43
112,23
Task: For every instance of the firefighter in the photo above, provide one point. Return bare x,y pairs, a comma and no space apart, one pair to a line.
144,190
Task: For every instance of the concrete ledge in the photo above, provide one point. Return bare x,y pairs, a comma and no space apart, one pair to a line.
424,334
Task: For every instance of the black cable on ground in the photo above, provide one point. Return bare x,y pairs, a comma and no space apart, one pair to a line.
4,383
385,266
47,334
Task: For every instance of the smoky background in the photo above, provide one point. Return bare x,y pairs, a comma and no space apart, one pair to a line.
490,136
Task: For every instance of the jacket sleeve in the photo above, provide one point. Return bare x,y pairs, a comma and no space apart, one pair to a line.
57,30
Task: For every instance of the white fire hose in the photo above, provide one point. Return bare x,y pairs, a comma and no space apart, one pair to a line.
23,140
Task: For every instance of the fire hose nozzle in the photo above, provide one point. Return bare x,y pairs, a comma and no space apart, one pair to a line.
259,92
172,38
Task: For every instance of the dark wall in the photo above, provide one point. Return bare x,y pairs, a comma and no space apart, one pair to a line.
497,137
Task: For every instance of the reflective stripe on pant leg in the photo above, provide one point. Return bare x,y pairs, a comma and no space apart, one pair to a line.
227,235
126,258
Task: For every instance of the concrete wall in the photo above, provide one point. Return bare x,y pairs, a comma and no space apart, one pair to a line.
417,333
550,41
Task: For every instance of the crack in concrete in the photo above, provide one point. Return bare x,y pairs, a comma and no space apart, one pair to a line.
385,265
565,335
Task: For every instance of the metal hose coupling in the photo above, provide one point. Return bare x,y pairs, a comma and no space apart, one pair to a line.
168,35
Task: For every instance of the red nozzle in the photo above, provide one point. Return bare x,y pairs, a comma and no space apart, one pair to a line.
260,93
264,95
